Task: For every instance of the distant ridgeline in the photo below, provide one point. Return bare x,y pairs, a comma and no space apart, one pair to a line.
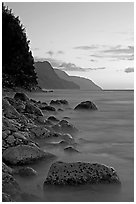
50,78
17,60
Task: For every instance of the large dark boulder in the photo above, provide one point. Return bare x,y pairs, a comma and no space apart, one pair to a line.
48,108
22,154
86,105
61,173
21,96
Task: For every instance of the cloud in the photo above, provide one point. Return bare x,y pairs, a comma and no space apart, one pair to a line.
71,67
97,68
60,52
119,50
129,70
84,47
50,53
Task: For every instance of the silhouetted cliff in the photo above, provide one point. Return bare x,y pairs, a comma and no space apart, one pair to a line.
48,79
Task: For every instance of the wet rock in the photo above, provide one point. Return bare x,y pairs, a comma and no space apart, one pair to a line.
9,111
64,127
17,104
33,110
49,108
61,173
6,169
21,96
10,185
20,135
66,117
25,171
63,143
39,132
4,135
23,154
48,123
42,106
86,105
70,149
6,198
60,109
58,102
53,102
68,138
64,102
10,125
53,118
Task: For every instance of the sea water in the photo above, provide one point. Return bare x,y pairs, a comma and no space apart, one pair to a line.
105,136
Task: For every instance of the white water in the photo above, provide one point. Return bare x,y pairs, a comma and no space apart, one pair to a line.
108,138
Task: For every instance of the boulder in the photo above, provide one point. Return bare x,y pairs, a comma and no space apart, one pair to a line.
17,104
86,105
10,125
70,149
58,102
49,108
32,109
6,169
6,198
53,102
9,111
61,173
25,171
60,109
10,185
21,96
53,118
23,154
39,132
64,127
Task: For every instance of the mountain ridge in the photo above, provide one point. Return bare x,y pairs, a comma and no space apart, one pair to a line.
84,83
47,77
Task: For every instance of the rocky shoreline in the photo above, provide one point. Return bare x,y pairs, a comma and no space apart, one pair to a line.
24,126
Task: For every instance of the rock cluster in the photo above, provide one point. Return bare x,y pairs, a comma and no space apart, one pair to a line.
24,127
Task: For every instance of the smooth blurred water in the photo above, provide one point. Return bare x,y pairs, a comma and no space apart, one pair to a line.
105,136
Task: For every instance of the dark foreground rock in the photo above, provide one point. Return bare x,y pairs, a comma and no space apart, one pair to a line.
10,185
86,105
6,198
49,108
23,154
61,173
59,102
21,96
71,150
64,127
25,171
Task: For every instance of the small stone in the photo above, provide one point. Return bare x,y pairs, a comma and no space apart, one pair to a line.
10,139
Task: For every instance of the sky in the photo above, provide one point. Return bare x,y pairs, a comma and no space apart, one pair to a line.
92,40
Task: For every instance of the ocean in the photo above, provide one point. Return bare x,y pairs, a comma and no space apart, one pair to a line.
105,136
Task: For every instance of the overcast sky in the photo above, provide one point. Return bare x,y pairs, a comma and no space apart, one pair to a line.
93,40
